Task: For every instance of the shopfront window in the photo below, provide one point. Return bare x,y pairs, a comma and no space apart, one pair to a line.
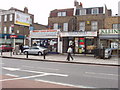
51,44
80,45
84,45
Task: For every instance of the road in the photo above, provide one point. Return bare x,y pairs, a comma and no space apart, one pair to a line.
55,74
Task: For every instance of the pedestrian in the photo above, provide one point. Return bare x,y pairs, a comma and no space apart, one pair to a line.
16,50
69,51
21,48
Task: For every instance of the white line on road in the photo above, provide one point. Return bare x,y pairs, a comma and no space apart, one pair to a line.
12,75
101,73
40,68
11,69
18,69
65,84
24,77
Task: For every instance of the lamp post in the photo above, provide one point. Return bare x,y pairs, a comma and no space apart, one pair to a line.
12,27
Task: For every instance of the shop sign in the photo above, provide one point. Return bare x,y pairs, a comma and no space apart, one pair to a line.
109,31
13,36
41,33
79,34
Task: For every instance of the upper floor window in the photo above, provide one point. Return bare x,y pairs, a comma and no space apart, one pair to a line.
55,26
95,11
61,13
11,17
94,25
5,18
65,26
82,11
10,30
82,26
116,26
5,29
0,18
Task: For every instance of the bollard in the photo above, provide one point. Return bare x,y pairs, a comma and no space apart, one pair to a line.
10,52
44,54
27,55
1,52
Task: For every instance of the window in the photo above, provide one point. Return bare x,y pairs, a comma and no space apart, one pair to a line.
10,30
82,26
55,26
11,17
94,25
0,18
5,29
116,26
95,11
61,13
83,12
65,26
5,18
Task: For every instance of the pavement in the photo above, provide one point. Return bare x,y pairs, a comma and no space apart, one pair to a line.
78,59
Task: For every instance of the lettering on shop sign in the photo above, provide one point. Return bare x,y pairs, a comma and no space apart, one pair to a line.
109,31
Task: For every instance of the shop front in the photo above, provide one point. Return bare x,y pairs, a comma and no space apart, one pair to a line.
45,38
110,38
6,39
82,42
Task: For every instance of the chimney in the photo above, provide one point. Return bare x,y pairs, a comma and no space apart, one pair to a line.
75,3
81,5
25,10
109,12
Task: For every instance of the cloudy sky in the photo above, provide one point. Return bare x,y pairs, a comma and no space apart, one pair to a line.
42,8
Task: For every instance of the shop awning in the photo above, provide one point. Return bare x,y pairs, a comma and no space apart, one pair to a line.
110,37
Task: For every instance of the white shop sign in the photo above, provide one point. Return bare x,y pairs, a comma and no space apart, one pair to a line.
43,33
78,34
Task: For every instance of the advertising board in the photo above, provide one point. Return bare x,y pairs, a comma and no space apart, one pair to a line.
22,19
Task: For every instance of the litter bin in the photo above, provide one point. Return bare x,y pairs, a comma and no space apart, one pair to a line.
108,53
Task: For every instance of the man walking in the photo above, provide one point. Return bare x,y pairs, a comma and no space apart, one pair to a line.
69,51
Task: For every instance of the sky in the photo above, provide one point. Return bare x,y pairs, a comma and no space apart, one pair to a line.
41,8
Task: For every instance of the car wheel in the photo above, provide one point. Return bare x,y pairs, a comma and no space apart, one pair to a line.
39,53
25,53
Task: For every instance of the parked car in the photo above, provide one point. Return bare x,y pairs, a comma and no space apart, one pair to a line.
5,48
36,50
25,47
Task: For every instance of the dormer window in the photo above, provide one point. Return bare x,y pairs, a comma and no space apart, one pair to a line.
61,13
95,11
82,11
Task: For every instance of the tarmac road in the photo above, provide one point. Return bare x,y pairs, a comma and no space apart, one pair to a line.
66,75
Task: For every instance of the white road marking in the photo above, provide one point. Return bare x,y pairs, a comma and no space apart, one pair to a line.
56,74
41,74
65,84
102,74
18,69
12,75
11,69
24,77
1,63
40,68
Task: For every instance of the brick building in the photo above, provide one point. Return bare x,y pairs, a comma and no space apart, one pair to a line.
110,35
79,25
15,22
